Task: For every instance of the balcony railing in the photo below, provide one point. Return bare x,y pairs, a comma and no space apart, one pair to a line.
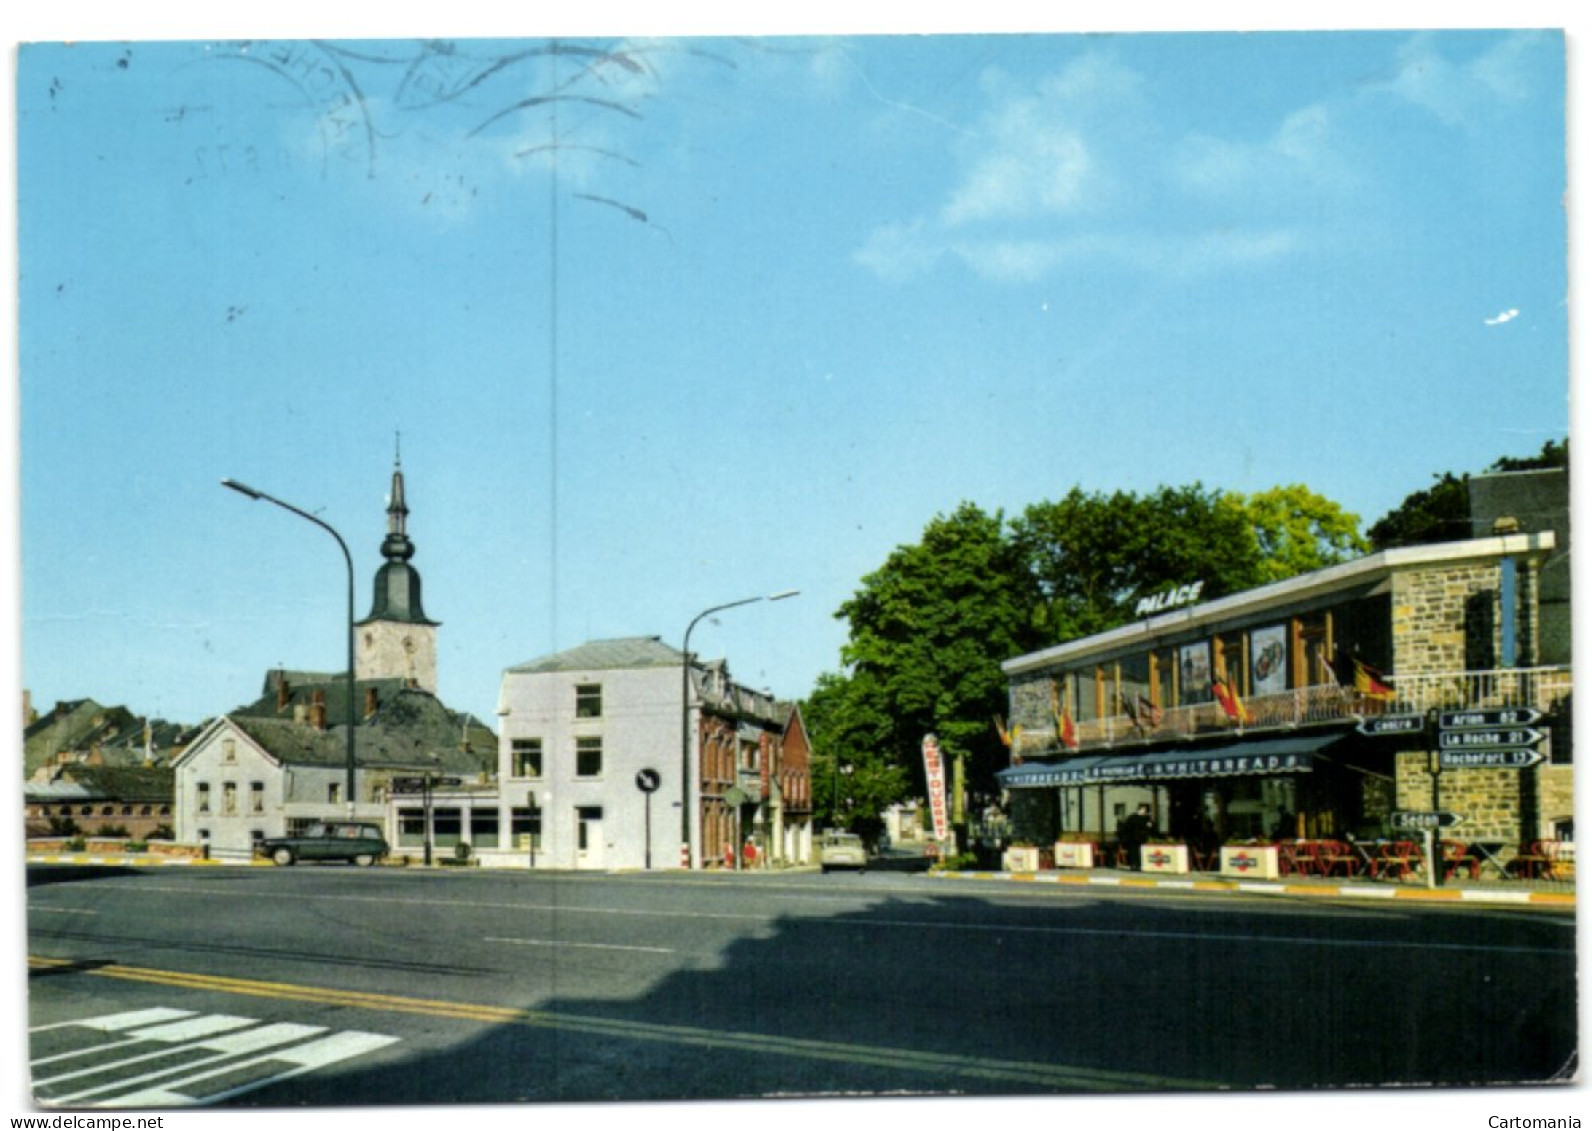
1545,689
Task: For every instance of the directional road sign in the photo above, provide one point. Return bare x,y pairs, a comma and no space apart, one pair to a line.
418,785
1419,819
1501,738
1392,724
1516,759
1489,717
647,780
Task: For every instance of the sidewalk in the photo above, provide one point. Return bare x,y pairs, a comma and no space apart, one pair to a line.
1557,895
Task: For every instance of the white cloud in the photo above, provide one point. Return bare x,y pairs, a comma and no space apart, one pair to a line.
1460,93
1507,316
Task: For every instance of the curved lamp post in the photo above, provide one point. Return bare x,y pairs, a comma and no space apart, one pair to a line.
244,489
685,710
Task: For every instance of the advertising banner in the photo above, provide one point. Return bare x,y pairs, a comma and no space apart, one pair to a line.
934,771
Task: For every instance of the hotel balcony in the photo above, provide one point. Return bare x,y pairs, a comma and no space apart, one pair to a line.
1544,689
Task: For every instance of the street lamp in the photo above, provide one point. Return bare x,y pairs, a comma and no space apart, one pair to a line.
244,489
685,711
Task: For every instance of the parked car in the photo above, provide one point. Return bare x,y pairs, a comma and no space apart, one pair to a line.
357,842
841,850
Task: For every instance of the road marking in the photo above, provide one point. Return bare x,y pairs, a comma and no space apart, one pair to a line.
582,945
32,910
231,1046
936,1066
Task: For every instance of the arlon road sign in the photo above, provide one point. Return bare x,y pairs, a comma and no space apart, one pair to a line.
1392,724
1425,819
1516,759
1489,717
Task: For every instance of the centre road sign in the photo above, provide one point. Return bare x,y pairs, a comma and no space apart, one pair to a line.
1392,724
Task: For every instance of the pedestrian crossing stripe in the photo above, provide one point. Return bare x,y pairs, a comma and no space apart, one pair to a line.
166,1057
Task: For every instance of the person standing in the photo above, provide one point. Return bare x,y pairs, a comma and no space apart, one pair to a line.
1133,831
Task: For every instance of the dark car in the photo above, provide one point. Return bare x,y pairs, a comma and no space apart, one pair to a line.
359,842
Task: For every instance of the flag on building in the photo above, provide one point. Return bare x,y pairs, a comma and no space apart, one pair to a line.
1227,695
1370,682
1066,732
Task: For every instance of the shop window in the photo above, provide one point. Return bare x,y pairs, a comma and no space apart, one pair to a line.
527,757
1133,677
1268,660
588,757
1194,674
411,828
445,827
588,701
484,828
525,822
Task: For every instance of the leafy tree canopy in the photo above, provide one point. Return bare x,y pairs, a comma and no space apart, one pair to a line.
1441,512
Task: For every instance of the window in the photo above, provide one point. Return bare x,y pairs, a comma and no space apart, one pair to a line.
203,795
484,828
229,750
257,797
334,792
1194,674
527,755
411,828
525,823
229,799
588,757
588,701
445,826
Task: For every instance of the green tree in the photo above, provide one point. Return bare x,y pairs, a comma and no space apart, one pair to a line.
927,633
1092,556
1298,531
1441,512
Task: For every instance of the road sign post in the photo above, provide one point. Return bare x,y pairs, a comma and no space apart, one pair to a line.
648,781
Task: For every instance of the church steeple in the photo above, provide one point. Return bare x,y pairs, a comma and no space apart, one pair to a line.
397,640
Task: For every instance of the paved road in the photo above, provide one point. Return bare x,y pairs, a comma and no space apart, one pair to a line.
341,986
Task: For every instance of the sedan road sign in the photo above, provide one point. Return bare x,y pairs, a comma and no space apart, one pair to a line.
1418,819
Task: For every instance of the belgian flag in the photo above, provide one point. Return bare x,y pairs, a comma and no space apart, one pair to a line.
1371,683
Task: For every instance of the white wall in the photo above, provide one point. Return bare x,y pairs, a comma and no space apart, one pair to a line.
639,728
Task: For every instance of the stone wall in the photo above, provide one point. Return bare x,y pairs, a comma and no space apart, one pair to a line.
1492,802
1448,619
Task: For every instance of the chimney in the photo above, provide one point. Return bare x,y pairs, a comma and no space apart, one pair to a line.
284,691
318,710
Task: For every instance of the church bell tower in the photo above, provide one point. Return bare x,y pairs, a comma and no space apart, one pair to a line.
397,640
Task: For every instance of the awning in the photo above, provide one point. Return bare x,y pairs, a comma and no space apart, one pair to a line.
1290,755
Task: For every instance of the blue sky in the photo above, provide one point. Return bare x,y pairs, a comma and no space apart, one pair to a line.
731,316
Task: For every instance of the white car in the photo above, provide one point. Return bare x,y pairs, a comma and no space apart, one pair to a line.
842,850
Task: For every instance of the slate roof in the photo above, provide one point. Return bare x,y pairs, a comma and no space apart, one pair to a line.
408,728
606,655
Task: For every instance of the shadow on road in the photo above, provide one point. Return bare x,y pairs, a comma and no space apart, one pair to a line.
941,994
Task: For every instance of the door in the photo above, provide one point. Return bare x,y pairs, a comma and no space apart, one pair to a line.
589,836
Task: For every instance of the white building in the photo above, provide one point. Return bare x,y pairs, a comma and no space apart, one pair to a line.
582,731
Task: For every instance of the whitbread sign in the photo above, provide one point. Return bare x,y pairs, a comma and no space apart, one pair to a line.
934,771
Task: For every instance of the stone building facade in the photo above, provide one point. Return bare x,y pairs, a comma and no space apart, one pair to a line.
1260,711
